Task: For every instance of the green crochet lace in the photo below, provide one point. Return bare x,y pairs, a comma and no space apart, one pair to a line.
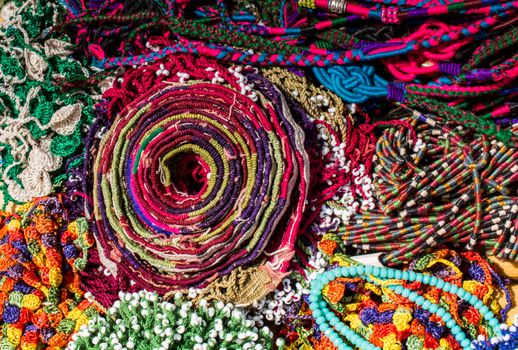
41,122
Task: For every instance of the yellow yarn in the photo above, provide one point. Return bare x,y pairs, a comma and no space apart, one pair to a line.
31,302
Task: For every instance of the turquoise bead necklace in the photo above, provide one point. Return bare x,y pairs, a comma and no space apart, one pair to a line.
336,330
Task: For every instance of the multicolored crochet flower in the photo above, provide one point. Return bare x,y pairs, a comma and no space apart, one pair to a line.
41,302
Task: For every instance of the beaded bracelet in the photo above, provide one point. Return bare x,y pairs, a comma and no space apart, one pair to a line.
454,198
336,330
194,35
390,321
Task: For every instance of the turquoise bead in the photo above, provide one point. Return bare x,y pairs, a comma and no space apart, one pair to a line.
317,313
334,337
461,292
375,270
419,277
440,311
473,299
399,289
406,293
446,287
451,323
412,276
489,315
454,289
446,316
352,270
368,269
397,274
426,279
404,275
433,308
433,281
419,300
478,305
390,274
494,323
383,273
337,273
345,271
456,330
320,320
360,269
459,336
465,343
426,305
483,310
440,283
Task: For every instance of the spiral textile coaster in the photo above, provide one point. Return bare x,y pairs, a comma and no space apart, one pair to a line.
196,179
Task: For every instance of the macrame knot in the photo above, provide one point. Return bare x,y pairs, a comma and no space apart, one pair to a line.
390,15
355,84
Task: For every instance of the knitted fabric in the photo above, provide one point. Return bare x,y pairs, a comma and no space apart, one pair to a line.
143,321
390,321
41,303
195,179
42,124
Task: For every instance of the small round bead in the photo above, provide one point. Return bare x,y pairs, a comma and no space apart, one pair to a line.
465,343
451,323
412,276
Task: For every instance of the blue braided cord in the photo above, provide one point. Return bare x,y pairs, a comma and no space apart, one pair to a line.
354,84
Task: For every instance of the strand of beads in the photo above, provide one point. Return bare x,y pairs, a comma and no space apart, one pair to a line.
143,321
336,330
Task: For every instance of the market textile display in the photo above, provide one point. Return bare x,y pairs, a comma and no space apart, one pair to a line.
245,174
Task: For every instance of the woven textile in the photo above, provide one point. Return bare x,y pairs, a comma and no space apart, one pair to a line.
194,179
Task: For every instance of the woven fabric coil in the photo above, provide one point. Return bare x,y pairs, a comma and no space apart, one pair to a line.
195,179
